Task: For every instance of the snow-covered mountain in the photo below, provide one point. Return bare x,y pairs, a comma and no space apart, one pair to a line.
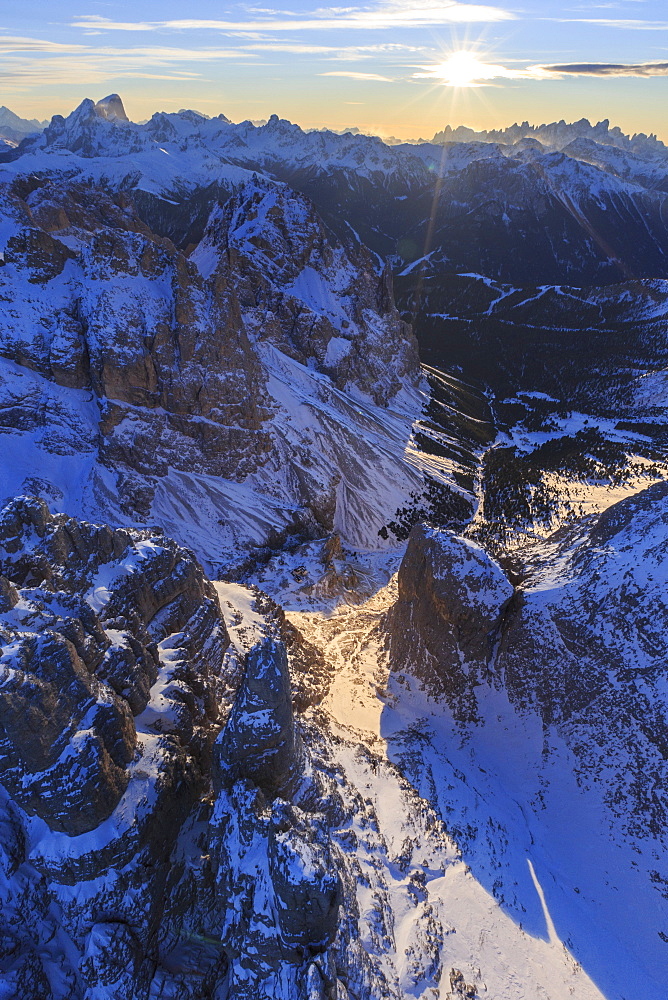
558,135
254,743
14,128
289,858
552,719
586,211
261,387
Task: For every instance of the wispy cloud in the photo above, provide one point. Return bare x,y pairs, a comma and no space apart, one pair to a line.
340,51
392,14
18,77
466,69
358,76
627,24
151,53
31,62
34,62
17,43
610,69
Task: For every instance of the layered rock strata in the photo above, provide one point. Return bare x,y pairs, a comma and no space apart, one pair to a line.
141,857
261,385
87,617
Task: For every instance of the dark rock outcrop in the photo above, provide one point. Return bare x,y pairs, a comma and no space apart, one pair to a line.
580,649
111,107
86,621
306,884
260,742
302,290
444,627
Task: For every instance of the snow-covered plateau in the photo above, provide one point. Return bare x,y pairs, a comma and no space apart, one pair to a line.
333,547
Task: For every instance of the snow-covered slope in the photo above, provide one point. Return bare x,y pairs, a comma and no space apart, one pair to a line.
585,210
539,723
347,785
261,387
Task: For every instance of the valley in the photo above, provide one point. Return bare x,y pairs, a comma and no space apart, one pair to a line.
332,562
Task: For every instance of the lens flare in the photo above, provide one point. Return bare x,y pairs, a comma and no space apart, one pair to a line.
463,69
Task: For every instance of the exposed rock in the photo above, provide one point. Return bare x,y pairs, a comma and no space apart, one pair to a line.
460,988
258,390
111,107
452,600
301,290
260,742
256,376
576,661
23,978
310,672
76,670
111,957
306,885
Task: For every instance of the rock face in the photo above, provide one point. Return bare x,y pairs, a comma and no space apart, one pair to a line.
581,641
447,622
266,373
300,290
112,680
129,866
269,816
111,107
87,613
259,742
566,713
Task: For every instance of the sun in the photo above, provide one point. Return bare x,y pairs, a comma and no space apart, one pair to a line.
462,69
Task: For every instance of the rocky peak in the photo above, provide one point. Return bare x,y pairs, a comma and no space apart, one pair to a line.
319,301
111,108
91,130
196,365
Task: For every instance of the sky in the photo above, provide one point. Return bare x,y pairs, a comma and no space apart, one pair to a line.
402,68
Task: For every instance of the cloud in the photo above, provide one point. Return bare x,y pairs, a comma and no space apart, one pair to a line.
10,45
16,43
16,77
387,15
628,24
346,52
610,69
358,76
30,63
34,62
465,69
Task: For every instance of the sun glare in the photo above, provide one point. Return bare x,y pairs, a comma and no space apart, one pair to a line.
462,69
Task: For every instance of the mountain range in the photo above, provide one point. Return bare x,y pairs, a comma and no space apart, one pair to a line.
332,562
